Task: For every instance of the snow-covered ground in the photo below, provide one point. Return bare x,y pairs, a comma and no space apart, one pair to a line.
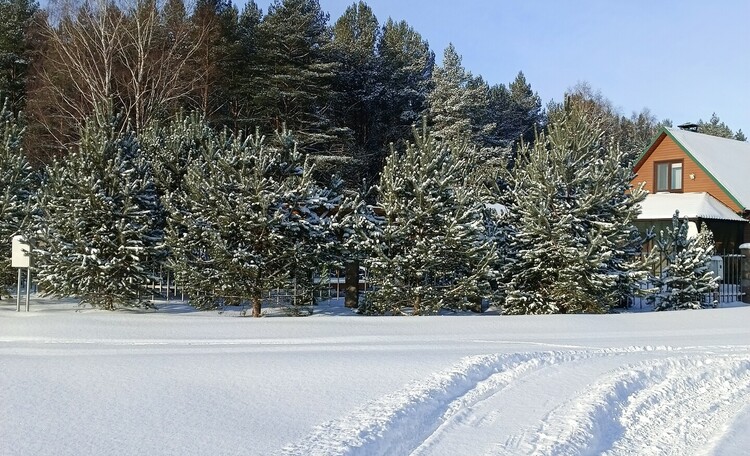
178,382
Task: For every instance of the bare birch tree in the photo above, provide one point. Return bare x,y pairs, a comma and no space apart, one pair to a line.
102,58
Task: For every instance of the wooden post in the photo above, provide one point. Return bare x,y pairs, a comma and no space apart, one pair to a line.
351,285
745,272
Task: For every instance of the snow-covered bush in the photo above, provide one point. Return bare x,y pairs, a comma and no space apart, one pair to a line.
685,280
95,225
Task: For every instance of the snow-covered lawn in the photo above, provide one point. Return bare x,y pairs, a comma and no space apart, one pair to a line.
178,382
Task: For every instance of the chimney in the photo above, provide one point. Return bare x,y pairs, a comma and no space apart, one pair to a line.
689,126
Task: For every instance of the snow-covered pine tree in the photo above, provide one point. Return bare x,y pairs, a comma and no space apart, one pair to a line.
170,149
457,100
17,183
95,227
429,250
248,219
685,280
570,222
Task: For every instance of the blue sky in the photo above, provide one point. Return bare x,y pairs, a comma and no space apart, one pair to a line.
681,59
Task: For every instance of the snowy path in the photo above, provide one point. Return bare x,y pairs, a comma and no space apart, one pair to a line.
639,400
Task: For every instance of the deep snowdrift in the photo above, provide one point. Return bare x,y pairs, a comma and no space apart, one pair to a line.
181,382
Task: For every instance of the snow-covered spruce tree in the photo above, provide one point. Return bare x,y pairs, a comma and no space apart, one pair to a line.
17,182
685,279
429,250
570,222
248,219
95,225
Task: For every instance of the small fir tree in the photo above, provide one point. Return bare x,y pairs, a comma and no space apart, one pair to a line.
96,222
248,219
17,182
685,280
570,214
428,248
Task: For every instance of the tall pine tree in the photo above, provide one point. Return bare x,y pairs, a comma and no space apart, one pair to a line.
355,35
15,19
293,86
406,64
457,100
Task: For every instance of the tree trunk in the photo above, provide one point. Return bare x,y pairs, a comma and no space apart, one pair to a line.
256,306
351,285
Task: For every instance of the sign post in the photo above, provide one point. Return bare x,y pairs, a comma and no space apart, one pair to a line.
21,258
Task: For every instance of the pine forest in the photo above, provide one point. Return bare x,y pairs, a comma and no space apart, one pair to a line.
247,150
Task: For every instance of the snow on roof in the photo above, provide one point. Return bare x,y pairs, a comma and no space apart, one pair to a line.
728,160
661,206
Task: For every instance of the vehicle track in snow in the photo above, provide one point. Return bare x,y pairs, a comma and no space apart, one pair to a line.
636,400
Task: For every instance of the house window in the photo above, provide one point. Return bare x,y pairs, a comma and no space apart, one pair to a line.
668,176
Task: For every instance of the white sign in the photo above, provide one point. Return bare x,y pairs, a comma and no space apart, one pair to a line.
20,253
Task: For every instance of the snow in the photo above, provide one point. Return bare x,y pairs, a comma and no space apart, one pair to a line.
176,381
727,160
661,206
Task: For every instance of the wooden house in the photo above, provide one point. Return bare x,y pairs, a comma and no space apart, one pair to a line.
705,177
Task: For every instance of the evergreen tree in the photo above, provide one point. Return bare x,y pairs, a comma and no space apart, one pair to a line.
172,149
429,248
570,214
248,219
15,18
293,86
715,127
240,68
406,65
17,182
355,35
515,112
457,100
685,279
95,227
739,136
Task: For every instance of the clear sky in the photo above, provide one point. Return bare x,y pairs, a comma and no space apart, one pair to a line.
683,59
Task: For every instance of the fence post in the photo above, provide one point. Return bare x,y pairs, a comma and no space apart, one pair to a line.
745,272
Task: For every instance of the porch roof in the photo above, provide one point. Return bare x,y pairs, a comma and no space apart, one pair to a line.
661,206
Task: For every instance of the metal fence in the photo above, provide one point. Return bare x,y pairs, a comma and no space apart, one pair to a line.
164,286
332,286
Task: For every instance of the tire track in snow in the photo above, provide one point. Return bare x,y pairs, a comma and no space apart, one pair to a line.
669,406
593,422
402,421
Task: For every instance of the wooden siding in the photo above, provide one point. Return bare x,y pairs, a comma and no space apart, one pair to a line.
666,150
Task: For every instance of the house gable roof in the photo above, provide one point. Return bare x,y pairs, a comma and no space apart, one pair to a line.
725,161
